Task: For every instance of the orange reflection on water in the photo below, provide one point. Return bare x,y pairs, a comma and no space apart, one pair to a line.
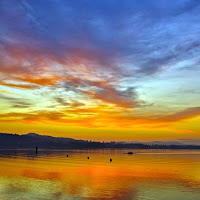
126,177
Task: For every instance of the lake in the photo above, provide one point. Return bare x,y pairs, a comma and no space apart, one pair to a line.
145,175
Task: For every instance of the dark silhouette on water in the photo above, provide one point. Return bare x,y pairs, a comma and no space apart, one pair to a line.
110,159
130,153
88,157
67,155
36,150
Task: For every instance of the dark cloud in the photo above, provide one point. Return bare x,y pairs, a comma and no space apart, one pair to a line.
21,105
71,103
61,101
125,98
69,87
106,91
16,102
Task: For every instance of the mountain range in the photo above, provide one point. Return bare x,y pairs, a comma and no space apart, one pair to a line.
33,140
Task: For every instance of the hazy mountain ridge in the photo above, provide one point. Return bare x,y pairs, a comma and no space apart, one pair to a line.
31,140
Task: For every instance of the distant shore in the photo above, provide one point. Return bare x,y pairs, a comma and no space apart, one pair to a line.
32,140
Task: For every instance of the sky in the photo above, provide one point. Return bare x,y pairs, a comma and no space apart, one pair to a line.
101,69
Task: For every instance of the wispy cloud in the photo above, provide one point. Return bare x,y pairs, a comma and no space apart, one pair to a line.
100,63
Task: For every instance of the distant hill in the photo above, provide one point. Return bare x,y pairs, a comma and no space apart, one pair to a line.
31,140
165,143
159,143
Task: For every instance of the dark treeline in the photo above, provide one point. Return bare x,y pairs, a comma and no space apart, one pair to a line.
31,140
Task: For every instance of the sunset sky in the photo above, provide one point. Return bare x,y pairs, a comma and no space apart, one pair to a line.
123,70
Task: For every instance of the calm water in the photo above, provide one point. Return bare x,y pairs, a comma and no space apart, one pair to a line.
145,175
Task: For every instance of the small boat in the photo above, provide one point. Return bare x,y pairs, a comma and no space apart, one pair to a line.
129,153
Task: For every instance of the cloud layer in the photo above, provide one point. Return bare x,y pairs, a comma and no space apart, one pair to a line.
100,64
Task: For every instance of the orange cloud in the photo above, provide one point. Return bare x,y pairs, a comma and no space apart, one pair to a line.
23,86
92,117
41,80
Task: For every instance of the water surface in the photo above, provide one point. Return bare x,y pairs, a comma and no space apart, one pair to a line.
145,175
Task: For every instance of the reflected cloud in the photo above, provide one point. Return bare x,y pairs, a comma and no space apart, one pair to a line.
124,178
